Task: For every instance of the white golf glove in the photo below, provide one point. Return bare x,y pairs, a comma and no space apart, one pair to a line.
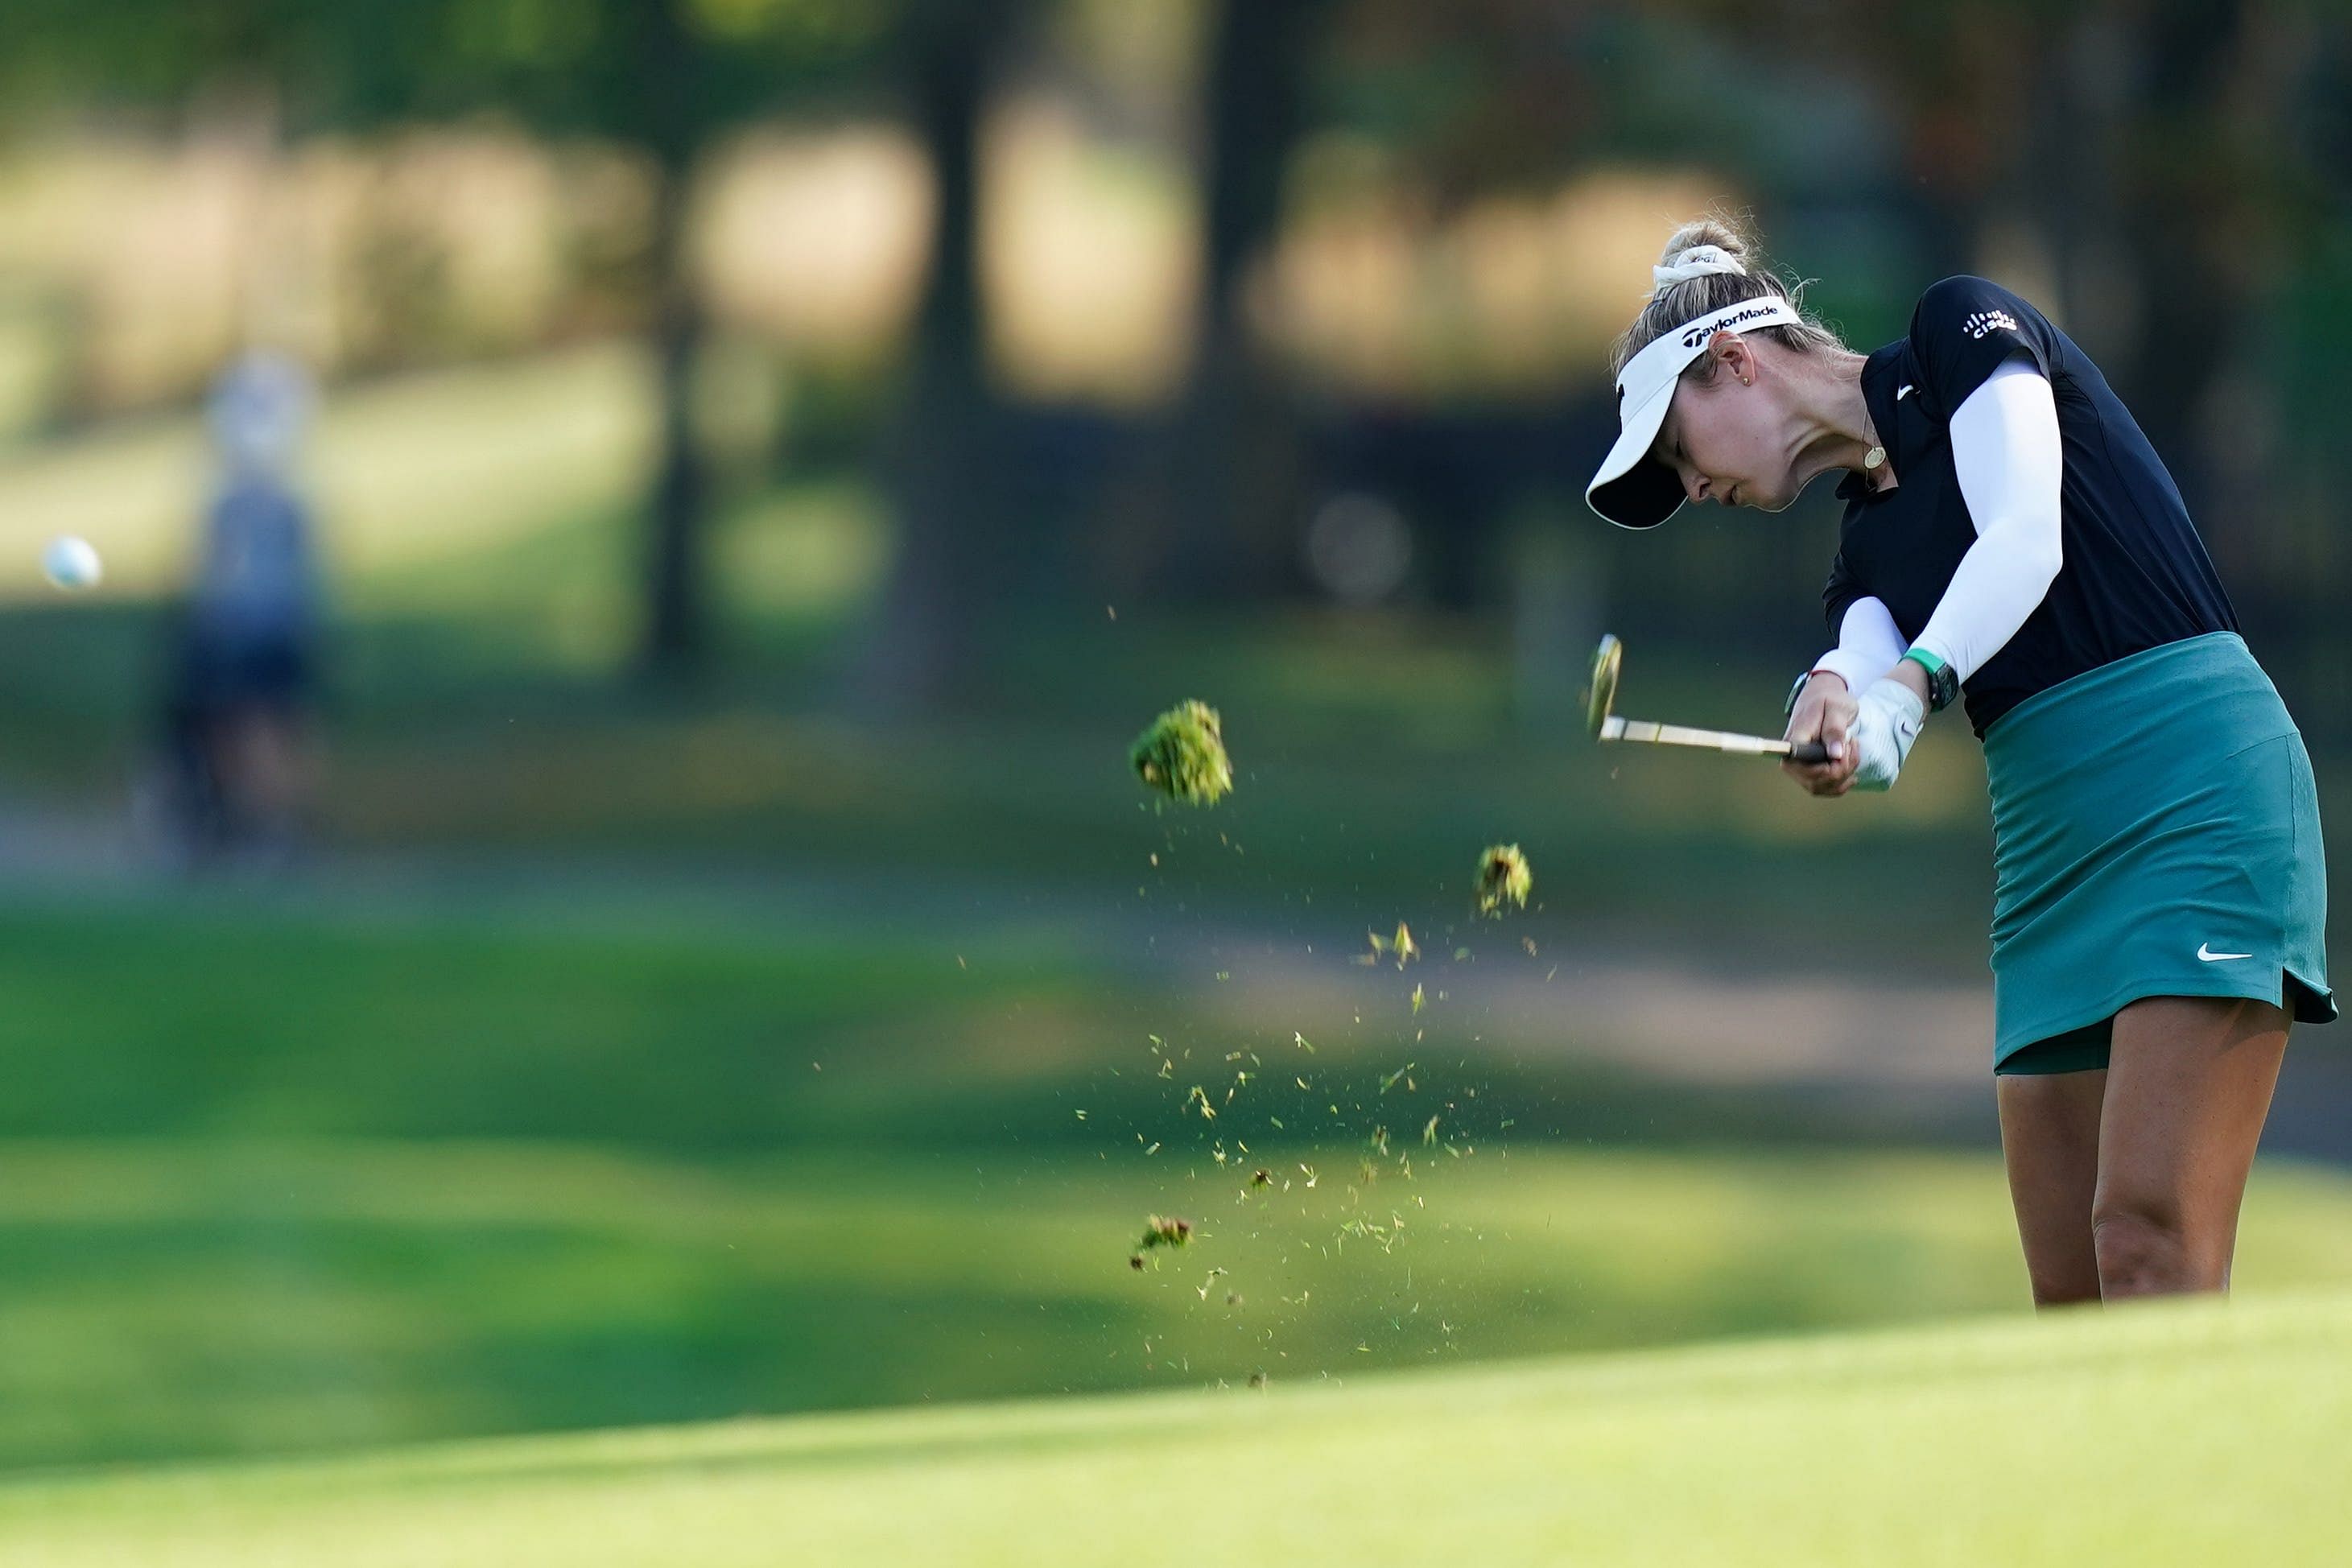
1888,721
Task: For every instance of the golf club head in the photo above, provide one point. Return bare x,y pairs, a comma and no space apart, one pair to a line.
1608,659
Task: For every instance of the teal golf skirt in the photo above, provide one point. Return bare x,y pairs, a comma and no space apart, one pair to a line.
2155,833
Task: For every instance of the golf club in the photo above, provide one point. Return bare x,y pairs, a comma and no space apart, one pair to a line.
1608,663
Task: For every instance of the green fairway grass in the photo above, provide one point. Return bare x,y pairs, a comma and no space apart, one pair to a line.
2173,1434
181,1300
600,1019
278,1174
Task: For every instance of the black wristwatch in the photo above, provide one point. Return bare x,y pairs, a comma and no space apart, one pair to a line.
1943,686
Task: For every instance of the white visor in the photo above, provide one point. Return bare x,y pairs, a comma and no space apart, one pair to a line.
1632,488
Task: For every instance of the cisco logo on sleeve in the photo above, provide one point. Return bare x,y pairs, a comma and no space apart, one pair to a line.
1984,321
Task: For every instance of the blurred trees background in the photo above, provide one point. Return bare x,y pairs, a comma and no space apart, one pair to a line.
1116,299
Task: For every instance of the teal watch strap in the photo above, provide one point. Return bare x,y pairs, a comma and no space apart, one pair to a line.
1943,686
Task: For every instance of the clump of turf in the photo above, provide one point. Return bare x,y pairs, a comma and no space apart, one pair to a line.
1183,755
1159,1232
1503,876
1166,1233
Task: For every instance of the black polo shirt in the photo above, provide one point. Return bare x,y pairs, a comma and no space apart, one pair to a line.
2134,574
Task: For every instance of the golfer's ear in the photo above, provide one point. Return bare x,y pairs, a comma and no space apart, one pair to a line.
1733,356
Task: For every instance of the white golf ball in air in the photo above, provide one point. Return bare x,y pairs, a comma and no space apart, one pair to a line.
71,562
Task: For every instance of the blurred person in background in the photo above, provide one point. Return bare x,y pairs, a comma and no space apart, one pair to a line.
238,750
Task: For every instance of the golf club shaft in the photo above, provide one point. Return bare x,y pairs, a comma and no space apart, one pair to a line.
1616,728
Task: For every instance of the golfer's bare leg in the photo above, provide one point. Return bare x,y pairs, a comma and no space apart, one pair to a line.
2188,1085
2050,1137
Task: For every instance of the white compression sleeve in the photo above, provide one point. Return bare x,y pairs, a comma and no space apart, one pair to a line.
2006,453
1868,644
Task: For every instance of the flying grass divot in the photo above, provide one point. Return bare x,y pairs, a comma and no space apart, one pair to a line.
1183,755
1503,877
1159,1233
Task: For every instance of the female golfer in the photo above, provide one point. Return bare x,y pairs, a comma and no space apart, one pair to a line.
2011,536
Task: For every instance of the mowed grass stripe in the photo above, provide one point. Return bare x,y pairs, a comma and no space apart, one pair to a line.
2176,1432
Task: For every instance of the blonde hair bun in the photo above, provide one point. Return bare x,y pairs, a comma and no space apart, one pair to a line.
1710,264
1715,229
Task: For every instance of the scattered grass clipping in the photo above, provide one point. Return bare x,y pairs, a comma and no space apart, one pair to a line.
1401,945
1183,755
1503,877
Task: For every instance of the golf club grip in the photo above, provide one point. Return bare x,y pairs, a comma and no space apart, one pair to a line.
1810,752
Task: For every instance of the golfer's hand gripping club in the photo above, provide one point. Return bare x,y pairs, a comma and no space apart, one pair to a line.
1888,719
1821,714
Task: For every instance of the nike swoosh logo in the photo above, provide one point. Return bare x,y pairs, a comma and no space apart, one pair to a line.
1902,394
2217,957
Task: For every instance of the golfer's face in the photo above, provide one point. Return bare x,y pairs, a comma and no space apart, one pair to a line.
1723,440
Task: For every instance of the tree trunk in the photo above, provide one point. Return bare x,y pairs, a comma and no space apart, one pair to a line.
1255,108
675,630
2191,214
676,634
1235,446
946,461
